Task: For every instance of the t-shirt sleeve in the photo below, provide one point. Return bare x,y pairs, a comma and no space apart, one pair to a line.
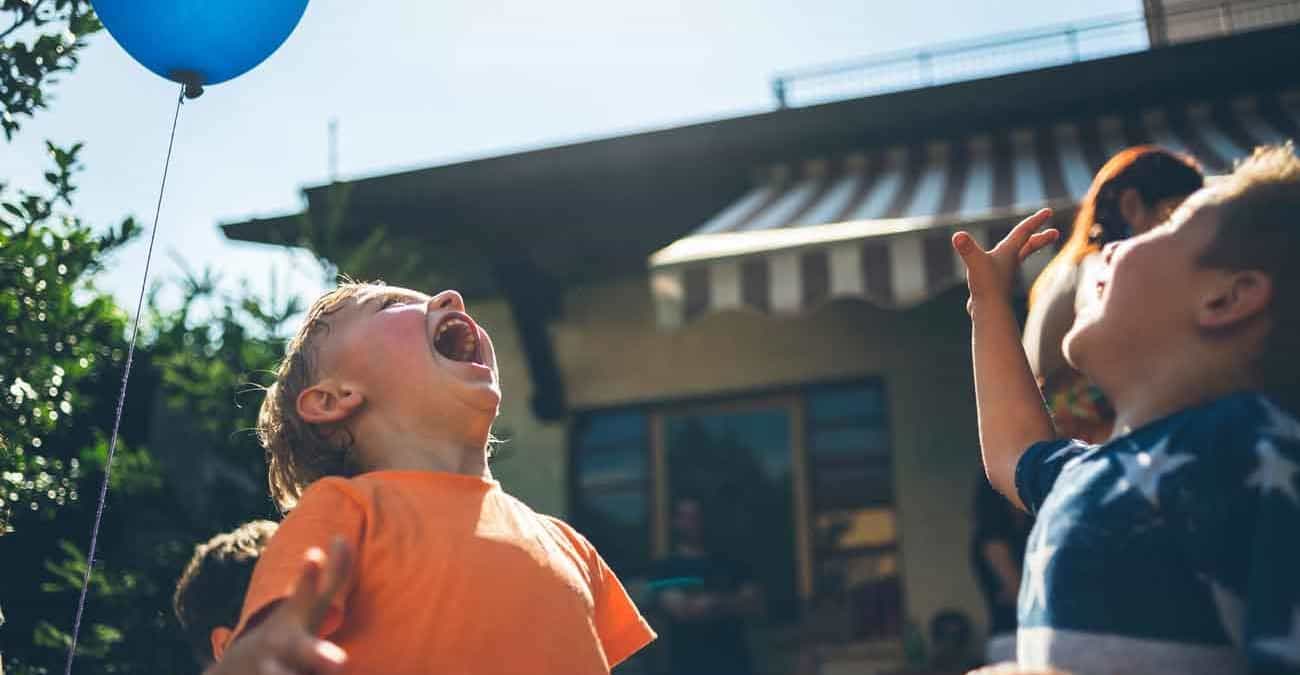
1039,468
622,629
619,624
327,509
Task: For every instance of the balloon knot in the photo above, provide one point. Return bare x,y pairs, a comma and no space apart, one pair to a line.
193,82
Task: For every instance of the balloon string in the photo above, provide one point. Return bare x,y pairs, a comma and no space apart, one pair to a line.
121,396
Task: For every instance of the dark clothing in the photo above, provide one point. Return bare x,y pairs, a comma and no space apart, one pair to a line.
1172,549
996,520
712,646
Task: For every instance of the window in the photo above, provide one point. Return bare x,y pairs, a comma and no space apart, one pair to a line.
736,463
799,485
611,495
854,525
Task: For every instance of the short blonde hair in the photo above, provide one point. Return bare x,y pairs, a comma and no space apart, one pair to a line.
1259,229
298,452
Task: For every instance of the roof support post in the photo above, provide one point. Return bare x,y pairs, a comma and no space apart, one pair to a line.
534,301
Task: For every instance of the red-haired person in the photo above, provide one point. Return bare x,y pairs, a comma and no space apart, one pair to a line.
1133,192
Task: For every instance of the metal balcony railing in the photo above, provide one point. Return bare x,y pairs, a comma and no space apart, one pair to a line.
1027,50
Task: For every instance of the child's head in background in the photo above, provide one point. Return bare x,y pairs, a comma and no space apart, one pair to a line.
210,593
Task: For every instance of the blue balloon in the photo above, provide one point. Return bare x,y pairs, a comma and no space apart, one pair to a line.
200,42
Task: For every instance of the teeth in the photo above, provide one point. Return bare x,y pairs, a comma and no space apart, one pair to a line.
469,348
464,348
449,323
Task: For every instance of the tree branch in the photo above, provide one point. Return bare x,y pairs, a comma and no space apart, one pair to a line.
27,16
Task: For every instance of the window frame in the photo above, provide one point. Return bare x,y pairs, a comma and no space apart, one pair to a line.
796,400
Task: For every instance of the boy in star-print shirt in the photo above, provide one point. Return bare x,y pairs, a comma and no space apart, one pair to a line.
1175,546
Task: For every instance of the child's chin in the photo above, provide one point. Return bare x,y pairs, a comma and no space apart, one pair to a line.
486,399
1076,343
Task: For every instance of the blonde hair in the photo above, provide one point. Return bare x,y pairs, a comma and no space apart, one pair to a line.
299,452
1259,229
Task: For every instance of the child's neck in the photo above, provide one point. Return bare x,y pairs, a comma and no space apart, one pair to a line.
392,450
446,459
1159,390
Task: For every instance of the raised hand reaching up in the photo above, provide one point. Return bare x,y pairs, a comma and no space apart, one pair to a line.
1012,415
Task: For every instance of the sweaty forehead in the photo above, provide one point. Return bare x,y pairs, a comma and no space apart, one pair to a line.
372,298
400,293
352,310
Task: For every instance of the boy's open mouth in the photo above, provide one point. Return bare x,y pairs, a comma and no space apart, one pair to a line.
456,338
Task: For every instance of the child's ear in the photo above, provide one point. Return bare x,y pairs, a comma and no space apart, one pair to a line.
220,638
328,401
1239,296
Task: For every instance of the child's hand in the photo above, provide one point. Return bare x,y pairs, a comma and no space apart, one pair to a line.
992,274
285,642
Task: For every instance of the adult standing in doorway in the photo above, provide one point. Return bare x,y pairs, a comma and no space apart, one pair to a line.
706,597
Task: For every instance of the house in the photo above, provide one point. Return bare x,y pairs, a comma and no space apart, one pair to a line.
765,312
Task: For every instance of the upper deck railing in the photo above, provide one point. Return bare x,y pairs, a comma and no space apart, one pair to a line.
1027,50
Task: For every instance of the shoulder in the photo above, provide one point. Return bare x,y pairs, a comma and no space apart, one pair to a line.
1240,422
1271,419
1269,430
338,487
556,527
578,544
1041,464
1053,455
566,531
1238,449
328,495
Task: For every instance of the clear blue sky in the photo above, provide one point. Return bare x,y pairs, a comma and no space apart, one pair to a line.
417,83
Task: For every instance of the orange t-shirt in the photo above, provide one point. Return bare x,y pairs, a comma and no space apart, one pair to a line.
453,576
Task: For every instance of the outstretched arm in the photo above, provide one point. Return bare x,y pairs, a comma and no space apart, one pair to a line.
285,642
1011,411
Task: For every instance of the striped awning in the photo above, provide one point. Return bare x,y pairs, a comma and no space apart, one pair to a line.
876,225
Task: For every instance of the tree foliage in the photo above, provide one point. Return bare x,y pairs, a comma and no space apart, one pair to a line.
187,464
39,41
200,472
60,338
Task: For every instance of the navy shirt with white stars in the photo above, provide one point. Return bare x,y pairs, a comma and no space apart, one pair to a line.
1172,549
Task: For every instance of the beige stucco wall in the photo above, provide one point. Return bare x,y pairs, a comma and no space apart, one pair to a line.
611,352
